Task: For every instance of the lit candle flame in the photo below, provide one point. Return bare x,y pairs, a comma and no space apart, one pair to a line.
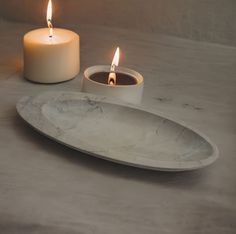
49,18
114,64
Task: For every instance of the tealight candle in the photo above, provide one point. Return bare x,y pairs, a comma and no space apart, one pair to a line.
51,55
119,82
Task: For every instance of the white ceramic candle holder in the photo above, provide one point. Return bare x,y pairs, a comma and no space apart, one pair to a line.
131,93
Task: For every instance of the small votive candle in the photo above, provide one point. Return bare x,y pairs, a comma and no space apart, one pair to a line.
128,87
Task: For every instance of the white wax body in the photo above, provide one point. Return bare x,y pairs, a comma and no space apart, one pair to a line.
51,60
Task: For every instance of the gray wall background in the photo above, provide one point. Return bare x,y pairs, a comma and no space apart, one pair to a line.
204,20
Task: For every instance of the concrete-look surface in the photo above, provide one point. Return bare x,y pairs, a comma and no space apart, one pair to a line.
204,20
137,137
48,188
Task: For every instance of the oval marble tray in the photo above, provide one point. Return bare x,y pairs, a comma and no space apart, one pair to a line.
117,132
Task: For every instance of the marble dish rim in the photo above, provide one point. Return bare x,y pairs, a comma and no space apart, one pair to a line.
164,165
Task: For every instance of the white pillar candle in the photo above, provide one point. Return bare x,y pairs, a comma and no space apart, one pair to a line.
51,59
51,55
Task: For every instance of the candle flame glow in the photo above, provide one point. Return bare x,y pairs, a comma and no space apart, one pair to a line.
114,64
49,18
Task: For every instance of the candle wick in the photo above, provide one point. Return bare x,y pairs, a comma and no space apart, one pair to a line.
50,26
112,75
113,67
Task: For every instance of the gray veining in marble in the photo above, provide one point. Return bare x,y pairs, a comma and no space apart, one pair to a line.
117,132
48,188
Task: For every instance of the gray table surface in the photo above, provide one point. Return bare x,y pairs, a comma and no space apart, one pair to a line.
47,188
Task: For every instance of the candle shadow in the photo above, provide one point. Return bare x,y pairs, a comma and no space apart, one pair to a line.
185,179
